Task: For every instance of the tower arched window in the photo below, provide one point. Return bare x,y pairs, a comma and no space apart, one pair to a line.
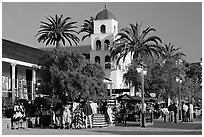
103,29
98,45
97,60
107,62
107,58
106,45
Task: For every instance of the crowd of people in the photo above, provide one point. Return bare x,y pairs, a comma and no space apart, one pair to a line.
80,115
18,114
172,112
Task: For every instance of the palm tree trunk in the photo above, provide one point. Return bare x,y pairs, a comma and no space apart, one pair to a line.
57,45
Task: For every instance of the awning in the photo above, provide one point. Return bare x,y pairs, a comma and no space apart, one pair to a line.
132,98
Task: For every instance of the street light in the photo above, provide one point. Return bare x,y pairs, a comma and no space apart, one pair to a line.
179,80
143,72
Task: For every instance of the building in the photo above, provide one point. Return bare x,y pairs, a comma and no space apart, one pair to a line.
19,62
19,70
105,30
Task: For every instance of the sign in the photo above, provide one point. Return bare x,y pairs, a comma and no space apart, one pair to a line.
153,95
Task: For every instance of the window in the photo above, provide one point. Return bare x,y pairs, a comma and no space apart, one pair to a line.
106,45
107,58
97,59
103,29
107,66
98,45
107,62
114,29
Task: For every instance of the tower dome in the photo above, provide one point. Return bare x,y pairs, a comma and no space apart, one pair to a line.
105,14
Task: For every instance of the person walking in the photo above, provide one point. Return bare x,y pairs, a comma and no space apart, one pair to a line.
110,116
94,107
185,110
66,117
175,113
87,111
171,112
125,113
191,112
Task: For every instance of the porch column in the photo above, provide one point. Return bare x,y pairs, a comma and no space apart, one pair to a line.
33,82
13,88
111,89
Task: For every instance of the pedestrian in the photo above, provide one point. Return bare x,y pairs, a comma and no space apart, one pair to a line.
125,113
191,112
175,113
18,113
137,112
94,107
171,111
66,117
87,111
110,116
185,110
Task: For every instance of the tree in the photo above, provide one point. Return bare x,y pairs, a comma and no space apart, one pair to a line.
57,30
194,71
138,43
171,54
87,27
68,76
153,79
173,65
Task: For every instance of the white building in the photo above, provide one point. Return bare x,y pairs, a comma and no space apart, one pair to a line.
19,70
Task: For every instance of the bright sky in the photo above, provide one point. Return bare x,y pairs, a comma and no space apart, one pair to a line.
177,22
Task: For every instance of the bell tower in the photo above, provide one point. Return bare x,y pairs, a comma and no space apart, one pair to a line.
105,30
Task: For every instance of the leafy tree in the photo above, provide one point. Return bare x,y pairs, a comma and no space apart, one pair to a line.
173,65
68,76
57,30
87,27
194,71
192,84
138,43
153,79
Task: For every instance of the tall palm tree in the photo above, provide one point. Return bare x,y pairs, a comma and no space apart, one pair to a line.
87,27
138,43
57,30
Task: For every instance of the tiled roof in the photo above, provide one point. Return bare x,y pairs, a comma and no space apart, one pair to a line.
20,52
83,49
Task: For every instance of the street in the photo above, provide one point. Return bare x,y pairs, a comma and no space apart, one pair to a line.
158,128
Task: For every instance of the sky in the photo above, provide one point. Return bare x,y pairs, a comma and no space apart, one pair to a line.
179,23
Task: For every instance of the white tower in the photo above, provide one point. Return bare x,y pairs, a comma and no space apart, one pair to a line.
105,30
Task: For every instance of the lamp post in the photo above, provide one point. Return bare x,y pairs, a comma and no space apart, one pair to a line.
178,79
143,72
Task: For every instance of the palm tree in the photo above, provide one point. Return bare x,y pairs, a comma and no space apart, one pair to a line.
138,43
87,27
170,53
56,30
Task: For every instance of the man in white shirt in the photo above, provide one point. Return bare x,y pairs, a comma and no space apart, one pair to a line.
185,109
94,107
191,112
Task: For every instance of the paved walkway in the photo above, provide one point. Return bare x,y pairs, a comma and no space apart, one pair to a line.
158,128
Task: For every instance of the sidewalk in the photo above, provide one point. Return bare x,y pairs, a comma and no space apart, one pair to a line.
158,128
